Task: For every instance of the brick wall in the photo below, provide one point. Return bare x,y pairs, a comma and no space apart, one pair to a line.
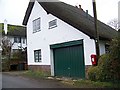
44,68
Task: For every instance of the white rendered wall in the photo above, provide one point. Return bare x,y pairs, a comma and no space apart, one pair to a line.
46,37
102,47
17,45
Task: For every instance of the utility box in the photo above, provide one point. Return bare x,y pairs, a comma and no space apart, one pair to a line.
94,59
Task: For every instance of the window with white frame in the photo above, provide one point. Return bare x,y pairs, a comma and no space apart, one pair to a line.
53,24
36,25
107,48
17,39
37,55
23,40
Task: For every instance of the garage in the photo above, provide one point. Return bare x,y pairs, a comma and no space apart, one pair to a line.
68,59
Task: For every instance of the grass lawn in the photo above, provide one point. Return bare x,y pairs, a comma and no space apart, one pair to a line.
75,83
92,84
36,74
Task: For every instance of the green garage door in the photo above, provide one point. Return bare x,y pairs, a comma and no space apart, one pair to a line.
69,59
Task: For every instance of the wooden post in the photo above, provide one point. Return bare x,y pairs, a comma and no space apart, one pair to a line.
96,29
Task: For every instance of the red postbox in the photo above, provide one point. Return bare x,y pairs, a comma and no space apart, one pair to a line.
94,59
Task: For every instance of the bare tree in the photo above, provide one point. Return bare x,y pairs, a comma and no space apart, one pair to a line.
6,46
113,23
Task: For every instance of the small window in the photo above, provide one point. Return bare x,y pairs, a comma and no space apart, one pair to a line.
37,55
23,40
36,25
53,24
107,48
17,39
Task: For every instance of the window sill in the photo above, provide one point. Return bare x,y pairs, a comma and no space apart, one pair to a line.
39,62
52,27
36,31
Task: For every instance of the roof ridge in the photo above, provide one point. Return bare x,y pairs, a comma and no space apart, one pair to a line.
14,25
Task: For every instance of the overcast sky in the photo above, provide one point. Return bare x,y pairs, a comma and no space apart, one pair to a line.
14,10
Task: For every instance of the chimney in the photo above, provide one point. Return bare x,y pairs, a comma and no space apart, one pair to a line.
80,7
118,15
76,6
5,26
87,13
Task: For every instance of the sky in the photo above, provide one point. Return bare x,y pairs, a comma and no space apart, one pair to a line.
14,10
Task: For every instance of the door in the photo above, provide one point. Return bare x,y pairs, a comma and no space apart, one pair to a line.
69,61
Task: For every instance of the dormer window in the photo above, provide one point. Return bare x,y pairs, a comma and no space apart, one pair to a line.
36,25
53,24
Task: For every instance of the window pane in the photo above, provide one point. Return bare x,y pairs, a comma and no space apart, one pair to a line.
37,55
23,40
53,23
36,25
15,39
107,48
19,39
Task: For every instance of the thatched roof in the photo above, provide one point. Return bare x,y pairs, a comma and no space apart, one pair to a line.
74,16
14,30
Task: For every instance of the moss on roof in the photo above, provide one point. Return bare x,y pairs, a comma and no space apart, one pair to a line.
1,28
14,30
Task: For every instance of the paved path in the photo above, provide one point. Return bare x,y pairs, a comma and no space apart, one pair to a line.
12,81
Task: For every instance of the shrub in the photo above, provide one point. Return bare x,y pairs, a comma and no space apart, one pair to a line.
5,63
102,71
36,74
104,65
19,56
115,58
108,64
93,73
107,69
103,60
